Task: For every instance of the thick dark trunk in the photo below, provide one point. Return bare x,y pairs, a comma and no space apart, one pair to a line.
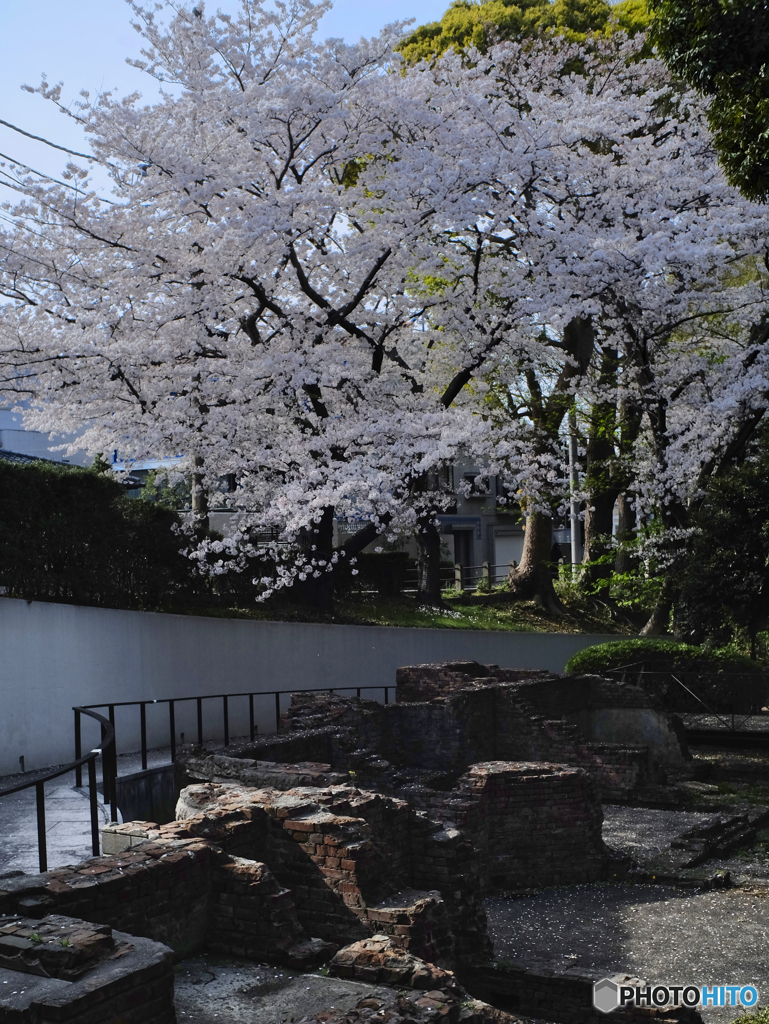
317,592
429,564
626,522
532,580
598,526
200,518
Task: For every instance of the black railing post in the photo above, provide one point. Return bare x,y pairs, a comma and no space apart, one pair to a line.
113,787
172,728
200,721
387,694
104,767
143,713
78,754
94,805
357,692
226,714
113,799
112,757
42,851
277,711
251,715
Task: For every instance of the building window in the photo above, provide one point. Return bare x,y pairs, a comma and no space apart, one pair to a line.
480,485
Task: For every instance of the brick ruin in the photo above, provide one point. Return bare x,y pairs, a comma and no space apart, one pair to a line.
366,836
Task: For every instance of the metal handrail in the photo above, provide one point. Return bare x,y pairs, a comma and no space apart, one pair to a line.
111,769
668,673
107,752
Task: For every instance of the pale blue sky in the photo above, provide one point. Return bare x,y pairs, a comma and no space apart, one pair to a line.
85,43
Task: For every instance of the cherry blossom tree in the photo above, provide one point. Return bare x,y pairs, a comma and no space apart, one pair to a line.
243,296
616,225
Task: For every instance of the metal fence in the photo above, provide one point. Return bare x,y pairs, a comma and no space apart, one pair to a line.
461,578
729,699
204,707
108,751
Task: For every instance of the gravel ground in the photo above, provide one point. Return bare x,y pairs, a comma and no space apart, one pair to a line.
663,935
643,832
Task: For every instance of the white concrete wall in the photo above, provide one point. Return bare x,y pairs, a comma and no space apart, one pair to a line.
53,656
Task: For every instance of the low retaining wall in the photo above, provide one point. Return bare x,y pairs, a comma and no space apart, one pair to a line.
57,655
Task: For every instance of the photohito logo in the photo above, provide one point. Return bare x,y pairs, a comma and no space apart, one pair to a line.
608,995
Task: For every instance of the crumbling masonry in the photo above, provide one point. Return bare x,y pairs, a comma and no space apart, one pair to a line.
361,823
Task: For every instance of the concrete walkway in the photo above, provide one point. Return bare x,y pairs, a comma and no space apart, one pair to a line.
67,816
67,819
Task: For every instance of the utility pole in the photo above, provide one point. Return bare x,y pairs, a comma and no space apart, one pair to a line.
573,488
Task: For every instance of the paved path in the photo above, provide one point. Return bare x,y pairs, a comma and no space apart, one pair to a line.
67,817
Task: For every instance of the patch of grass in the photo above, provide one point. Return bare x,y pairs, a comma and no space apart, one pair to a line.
496,611
730,794
758,1016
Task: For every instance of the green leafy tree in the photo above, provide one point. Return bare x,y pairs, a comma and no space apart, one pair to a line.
721,47
480,24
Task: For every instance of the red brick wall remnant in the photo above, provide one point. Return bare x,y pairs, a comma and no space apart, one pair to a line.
264,874
182,891
100,977
416,683
532,824
345,855
451,716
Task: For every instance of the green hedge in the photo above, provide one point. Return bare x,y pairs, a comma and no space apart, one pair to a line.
72,535
617,653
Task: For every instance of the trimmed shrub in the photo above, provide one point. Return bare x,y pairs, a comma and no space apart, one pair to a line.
72,535
617,653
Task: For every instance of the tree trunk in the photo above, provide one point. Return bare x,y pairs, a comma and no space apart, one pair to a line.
429,565
200,518
600,475
317,592
598,526
626,521
532,580
660,616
